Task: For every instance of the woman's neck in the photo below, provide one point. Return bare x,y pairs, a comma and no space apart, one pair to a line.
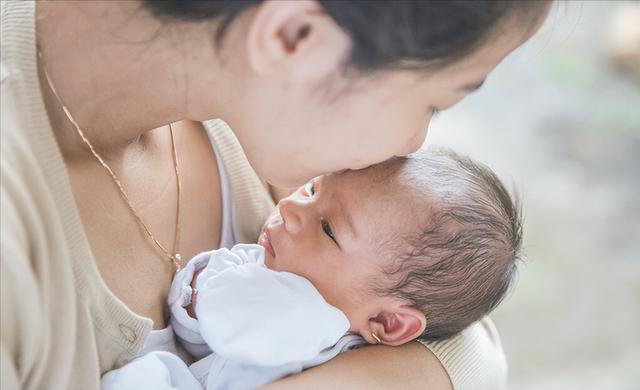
114,67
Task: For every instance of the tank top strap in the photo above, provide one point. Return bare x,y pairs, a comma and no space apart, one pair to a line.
252,201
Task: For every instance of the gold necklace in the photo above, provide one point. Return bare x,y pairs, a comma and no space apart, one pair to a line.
175,258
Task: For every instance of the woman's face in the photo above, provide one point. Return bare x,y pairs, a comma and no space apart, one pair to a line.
298,114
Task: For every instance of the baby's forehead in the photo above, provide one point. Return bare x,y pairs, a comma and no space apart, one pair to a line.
374,173
372,190
391,194
397,180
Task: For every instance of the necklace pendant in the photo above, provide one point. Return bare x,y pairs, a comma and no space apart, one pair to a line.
177,260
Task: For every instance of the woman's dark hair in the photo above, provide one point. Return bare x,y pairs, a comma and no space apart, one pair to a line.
385,34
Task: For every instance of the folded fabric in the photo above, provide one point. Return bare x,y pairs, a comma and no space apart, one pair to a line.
156,370
250,314
159,370
253,326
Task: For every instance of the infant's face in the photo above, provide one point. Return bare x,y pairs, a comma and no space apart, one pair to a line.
332,230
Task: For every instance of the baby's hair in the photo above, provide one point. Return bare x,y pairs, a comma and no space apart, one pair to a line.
462,263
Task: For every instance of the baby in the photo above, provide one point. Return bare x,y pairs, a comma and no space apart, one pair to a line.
415,247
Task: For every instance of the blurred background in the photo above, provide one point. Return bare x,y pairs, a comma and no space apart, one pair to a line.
560,120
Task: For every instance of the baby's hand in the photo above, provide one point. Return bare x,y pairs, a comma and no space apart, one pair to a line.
191,308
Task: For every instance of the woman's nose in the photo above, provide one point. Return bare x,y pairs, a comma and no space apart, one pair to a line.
293,213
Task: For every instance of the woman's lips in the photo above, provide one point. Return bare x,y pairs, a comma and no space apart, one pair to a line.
265,241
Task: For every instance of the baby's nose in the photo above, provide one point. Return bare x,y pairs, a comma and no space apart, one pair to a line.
292,213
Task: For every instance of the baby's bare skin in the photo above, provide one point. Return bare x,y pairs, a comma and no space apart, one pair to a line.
328,225
191,309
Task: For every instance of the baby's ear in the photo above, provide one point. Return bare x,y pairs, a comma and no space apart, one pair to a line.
397,326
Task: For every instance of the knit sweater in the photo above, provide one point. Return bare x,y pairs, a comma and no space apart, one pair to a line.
61,325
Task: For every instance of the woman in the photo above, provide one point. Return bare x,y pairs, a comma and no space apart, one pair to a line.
98,210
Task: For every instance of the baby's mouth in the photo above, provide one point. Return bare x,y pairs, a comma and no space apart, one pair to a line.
265,241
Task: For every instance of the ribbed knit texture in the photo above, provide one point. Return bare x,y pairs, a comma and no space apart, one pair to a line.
253,204
84,328
61,326
474,359
18,49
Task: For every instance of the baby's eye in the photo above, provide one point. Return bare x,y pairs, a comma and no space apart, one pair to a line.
327,230
309,188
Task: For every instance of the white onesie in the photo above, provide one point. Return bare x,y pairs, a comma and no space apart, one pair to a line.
254,326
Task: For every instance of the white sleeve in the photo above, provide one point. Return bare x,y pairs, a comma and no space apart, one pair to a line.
222,259
156,370
211,263
253,315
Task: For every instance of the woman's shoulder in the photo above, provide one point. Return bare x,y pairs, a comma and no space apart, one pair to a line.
474,358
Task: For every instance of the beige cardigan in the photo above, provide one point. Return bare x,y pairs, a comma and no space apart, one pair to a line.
61,326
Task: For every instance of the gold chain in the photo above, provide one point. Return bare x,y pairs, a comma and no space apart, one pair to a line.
175,258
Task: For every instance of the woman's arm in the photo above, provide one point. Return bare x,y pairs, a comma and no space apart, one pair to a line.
473,359
411,366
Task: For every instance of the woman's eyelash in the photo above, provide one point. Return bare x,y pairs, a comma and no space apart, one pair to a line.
327,230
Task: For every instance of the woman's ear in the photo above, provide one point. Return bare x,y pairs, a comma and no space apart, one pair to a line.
295,40
397,326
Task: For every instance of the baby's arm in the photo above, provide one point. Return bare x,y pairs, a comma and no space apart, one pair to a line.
215,261
184,296
246,313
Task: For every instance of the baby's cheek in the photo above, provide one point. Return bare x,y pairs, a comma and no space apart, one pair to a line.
282,264
269,262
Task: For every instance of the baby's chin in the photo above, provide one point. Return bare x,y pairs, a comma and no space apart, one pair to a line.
269,261
274,263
